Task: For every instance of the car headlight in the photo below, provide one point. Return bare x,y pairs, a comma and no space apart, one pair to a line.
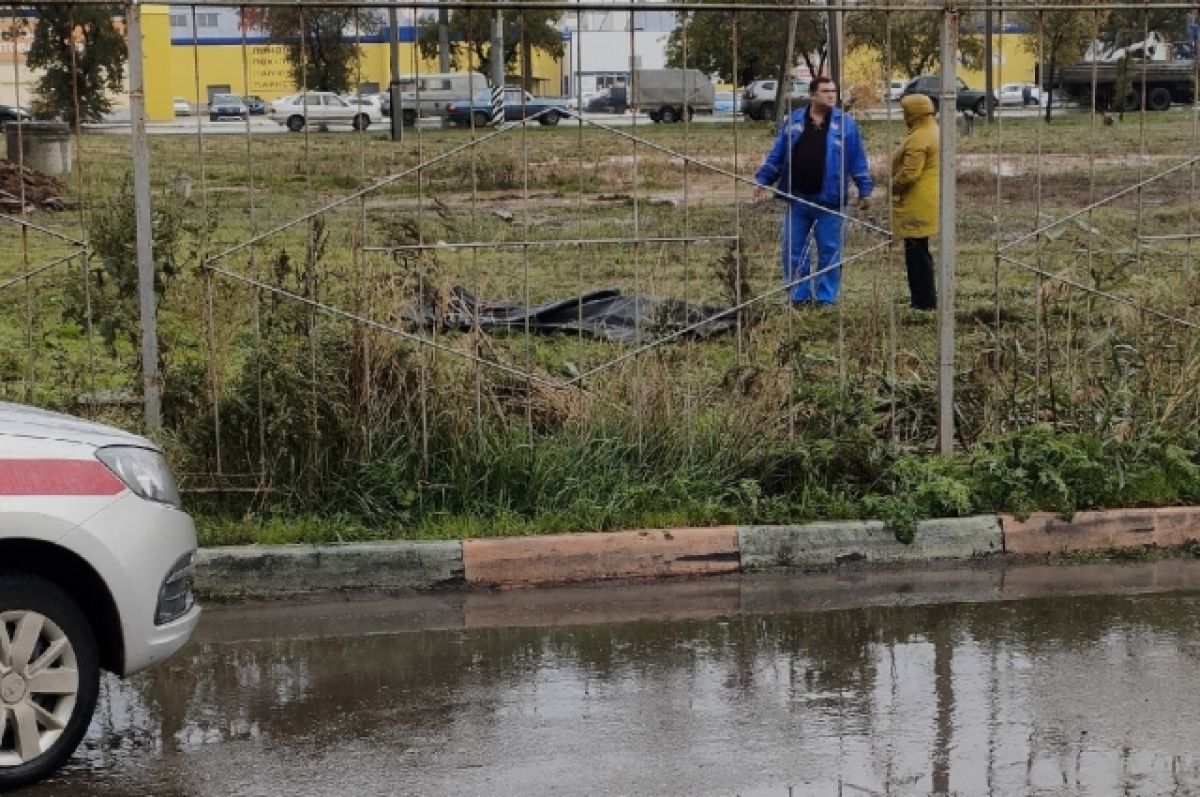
144,471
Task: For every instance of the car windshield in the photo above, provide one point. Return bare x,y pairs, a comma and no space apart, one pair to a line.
226,99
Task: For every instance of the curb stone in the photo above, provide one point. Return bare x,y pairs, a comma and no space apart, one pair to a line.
261,570
831,544
1048,533
567,558
267,569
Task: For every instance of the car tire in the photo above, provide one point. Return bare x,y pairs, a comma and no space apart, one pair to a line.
361,122
1132,101
295,123
980,108
212,117
41,617
1159,99
766,112
408,118
668,115
481,119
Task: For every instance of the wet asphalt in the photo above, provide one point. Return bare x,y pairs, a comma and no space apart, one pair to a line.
995,679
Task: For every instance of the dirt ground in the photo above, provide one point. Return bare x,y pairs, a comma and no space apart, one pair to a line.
29,189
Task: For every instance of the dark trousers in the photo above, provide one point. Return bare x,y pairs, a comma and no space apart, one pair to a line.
921,288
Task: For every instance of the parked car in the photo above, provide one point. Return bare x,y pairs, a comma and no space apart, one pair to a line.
895,90
1014,94
611,100
758,99
518,105
182,106
320,108
725,103
370,102
95,573
966,99
14,113
255,105
227,106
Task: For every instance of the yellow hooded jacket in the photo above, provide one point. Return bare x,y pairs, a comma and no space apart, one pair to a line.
915,171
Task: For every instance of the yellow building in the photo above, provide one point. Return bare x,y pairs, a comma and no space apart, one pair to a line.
224,58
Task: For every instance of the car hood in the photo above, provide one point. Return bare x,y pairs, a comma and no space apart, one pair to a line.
22,421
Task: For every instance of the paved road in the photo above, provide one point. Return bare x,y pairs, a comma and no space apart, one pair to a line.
1009,680
118,123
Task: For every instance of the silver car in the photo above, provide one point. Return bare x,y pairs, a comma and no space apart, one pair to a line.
321,108
95,568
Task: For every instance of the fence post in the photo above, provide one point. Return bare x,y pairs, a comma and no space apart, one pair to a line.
140,151
946,239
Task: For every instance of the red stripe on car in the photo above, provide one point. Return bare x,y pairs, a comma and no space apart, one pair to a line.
57,477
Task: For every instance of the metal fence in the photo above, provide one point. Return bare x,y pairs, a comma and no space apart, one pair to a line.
319,295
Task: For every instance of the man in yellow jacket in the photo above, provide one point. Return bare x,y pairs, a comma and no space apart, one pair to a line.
915,197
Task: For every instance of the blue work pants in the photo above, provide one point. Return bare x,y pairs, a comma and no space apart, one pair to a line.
825,226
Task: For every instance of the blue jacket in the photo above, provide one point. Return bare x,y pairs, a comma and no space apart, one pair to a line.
843,135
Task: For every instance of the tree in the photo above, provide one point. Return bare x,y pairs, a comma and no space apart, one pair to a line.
762,39
82,56
1058,37
914,38
471,38
321,49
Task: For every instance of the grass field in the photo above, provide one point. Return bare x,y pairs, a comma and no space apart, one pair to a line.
295,423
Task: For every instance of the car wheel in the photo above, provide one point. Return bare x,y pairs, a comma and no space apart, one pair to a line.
212,117
408,118
936,104
766,111
668,116
295,123
549,119
49,678
1159,99
981,107
1133,101
361,122
481,119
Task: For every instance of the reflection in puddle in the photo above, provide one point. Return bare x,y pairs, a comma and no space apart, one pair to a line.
1086,695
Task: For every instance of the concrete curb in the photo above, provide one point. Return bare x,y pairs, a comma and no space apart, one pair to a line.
270,569
1048,533
566,558
655,553
831,544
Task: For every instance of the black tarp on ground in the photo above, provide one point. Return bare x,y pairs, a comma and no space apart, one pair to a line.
605,314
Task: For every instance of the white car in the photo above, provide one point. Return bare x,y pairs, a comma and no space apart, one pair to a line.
321,108
95,573
182,106
1014,94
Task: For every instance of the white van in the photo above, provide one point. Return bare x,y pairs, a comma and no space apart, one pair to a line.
429,94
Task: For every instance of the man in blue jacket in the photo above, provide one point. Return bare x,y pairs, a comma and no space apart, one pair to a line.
817,153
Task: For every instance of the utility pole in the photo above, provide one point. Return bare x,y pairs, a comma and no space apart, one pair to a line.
946,224
397,129
443,39
837,37
497,53
989,80
144,236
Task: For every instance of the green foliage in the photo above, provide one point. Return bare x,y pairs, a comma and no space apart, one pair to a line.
761,41
82,59
471,36
911,39
112,300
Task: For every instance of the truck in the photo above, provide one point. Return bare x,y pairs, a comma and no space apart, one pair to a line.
1157,77
666,95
